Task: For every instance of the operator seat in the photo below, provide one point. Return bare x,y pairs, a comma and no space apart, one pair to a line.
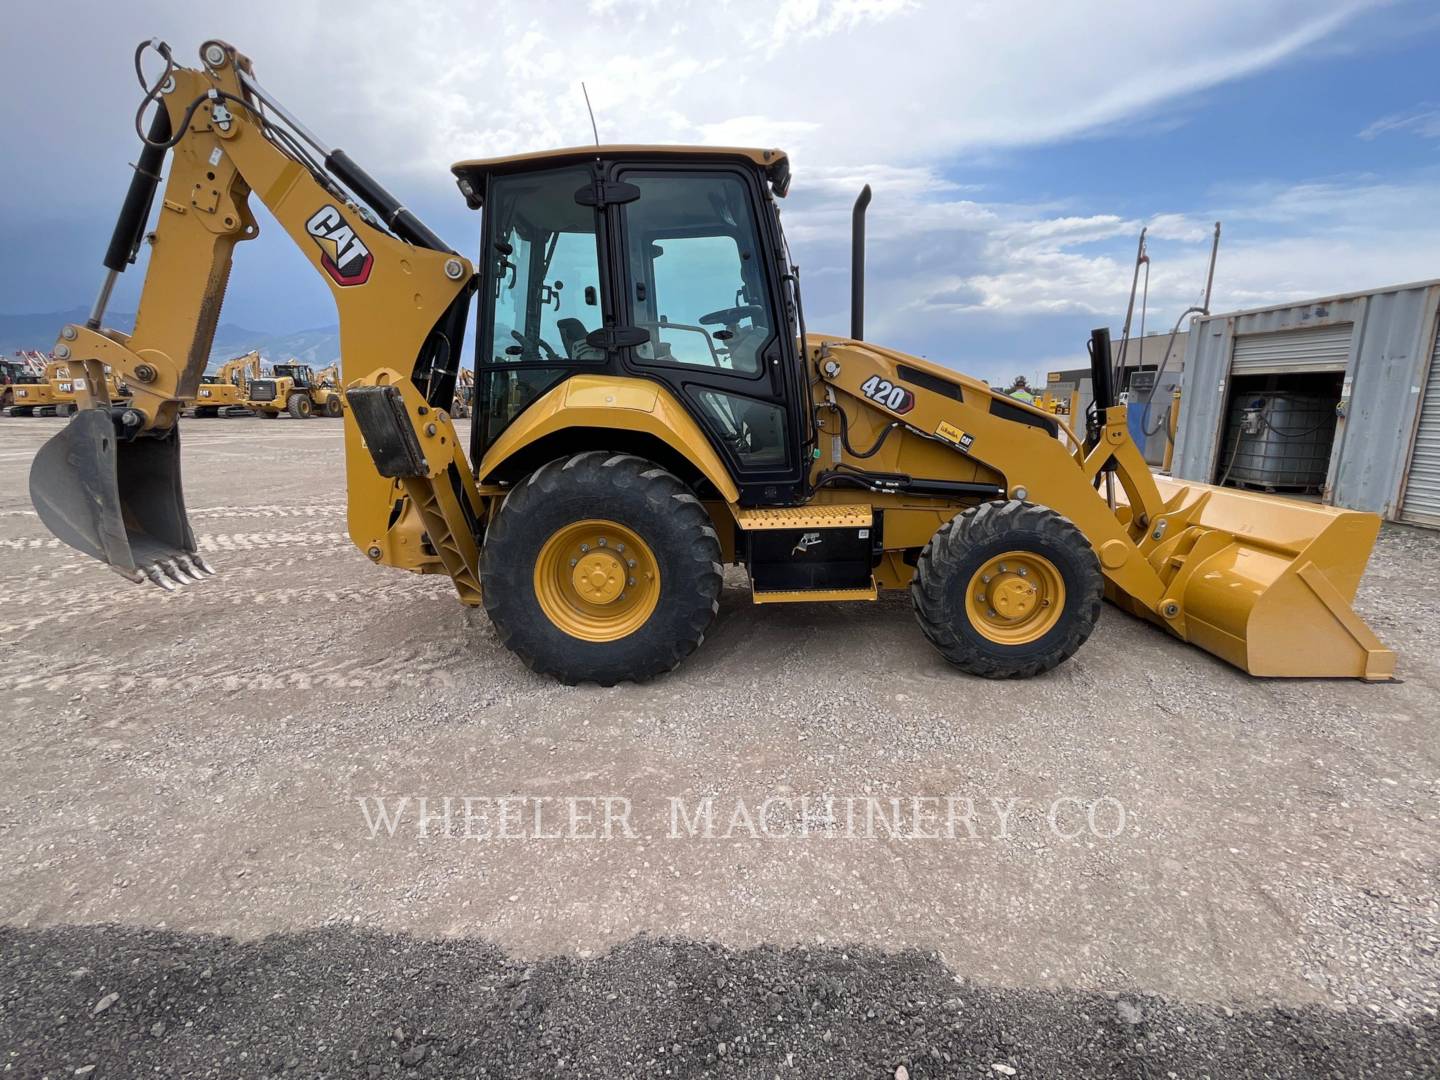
572,341
572,336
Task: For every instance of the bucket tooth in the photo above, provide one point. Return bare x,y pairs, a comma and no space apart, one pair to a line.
157,577
172,567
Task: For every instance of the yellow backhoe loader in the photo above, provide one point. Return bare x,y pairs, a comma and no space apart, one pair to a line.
464,401
329,396
229,387
649,408
296,389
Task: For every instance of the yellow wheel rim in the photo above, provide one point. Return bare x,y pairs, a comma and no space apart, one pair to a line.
597,580
1015,598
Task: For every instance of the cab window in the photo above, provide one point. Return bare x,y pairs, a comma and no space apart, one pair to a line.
544,282
696,282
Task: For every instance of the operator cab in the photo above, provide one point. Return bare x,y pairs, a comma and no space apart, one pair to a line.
664,264
302,375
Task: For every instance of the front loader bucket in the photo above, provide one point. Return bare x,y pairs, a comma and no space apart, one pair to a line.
117,501
1263,582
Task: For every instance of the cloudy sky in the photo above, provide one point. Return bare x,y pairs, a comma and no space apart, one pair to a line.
1015,147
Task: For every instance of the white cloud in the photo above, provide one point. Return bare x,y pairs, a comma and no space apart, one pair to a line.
414,84
1423,120
890,92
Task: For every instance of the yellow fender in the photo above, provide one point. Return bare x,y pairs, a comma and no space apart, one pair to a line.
613,403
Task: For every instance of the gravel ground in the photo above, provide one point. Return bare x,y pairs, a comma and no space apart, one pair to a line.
129,1002
190,781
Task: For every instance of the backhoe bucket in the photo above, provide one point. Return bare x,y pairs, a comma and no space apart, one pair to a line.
117,501
1263,582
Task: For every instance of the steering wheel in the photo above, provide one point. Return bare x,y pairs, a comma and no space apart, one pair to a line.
732,315
539,344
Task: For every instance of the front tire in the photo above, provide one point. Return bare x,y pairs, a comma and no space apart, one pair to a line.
333,406
1007,589
600,568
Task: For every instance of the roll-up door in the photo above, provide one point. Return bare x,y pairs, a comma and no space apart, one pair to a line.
1324,348
1421,505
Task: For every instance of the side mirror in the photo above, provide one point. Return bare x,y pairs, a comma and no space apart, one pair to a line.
590,297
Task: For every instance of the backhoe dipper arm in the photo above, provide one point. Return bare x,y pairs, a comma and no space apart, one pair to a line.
109,484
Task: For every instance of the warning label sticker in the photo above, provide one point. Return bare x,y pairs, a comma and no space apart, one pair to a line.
952,434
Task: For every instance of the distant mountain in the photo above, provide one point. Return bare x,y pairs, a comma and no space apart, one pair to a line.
320,346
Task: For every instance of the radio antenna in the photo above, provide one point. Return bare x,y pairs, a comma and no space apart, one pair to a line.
593,129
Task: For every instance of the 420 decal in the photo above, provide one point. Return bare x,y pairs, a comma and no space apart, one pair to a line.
884,392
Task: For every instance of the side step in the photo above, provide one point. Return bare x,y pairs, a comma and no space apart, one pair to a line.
822,553
813,596
822,516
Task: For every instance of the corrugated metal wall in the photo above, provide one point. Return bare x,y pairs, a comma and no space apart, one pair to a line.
1422,487
1387,360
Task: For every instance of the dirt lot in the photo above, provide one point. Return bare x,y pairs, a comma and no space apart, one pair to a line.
1144,862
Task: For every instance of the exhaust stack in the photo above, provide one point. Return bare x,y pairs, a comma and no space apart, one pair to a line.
857,265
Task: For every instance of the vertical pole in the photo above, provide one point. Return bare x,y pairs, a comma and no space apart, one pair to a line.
1104,398
857,265
1210,277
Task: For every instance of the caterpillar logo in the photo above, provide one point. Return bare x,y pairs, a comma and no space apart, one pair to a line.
344,255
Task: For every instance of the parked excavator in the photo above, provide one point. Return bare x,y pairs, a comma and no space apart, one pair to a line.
11,372
53,391
651,407
228,388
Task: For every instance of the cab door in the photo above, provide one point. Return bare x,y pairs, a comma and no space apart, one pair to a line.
698,275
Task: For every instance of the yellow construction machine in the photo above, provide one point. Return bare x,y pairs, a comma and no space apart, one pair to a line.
229,388
329,395
464,402
295,388
11,373
649,407
51,393
54,392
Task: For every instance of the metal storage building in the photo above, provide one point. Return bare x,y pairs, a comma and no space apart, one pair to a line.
1362,369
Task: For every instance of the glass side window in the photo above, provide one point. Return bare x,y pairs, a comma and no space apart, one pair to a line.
546,285
754,431
544,288
695,276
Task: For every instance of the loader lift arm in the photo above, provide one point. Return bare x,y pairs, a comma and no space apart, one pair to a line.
109,485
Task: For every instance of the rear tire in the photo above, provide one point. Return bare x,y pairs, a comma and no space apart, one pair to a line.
299,406
596,499
1007,589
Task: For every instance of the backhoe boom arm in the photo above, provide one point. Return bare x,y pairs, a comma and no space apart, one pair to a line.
400,294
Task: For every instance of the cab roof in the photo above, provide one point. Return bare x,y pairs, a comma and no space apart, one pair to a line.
775,163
